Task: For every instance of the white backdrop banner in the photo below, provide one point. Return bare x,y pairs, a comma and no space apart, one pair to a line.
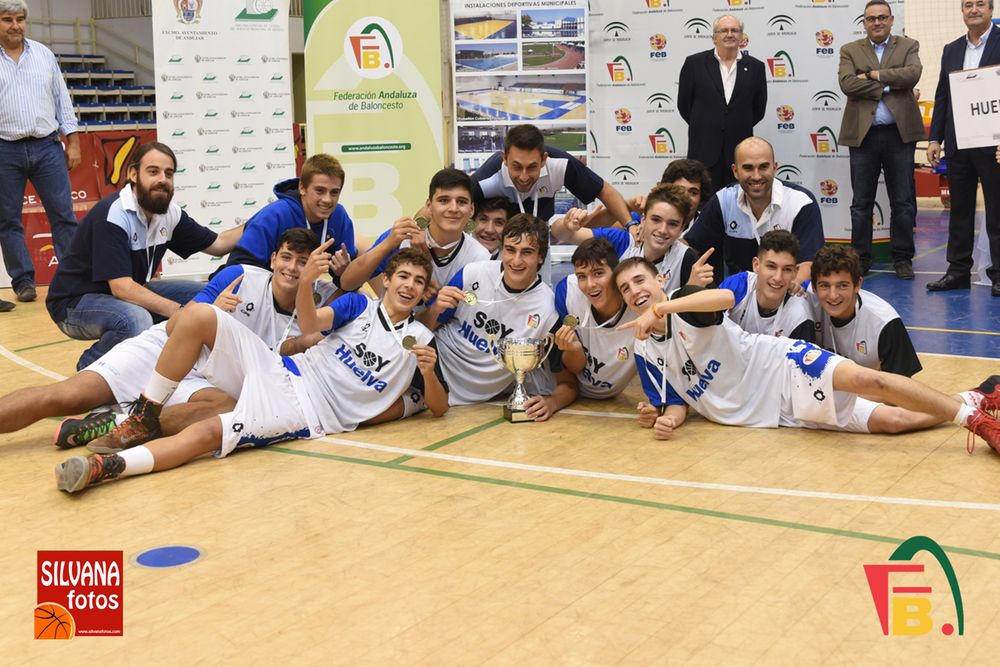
637,48
224,105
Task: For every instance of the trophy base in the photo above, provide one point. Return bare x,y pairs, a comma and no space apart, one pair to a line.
516,416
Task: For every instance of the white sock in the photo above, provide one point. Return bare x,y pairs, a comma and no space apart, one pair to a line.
159,389
138,461
964,412
973,398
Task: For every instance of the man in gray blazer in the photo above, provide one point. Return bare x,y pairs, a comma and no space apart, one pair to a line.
881,125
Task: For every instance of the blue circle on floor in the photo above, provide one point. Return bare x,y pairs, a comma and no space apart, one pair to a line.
171,556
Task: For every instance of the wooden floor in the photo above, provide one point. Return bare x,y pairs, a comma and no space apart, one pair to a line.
468,541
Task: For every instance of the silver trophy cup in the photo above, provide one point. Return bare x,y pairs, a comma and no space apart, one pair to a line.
521,356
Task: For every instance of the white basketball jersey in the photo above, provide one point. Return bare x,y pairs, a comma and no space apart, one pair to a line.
858,339
669,267
360,369
790,314
469,250
258,311
610,366
726,374
466,339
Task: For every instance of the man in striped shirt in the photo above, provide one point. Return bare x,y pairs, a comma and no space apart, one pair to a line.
35,108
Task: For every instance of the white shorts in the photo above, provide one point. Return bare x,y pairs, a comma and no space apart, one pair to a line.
809,400
271,405
128,365
269,410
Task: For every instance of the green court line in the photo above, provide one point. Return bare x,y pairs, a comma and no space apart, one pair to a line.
35,347
699,511
447,441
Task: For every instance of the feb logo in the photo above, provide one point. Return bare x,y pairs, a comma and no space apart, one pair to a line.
824,141
828,191
657,43
781,66
620,70
372,47
622,354
906,610
786,114
824,41
533,320
623,120
744,42
662,142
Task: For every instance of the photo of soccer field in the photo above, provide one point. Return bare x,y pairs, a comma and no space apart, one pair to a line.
521,98
572,139
485,25
553,55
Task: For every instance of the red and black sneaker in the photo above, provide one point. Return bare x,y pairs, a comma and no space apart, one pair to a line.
989,395
79,472
141,426
986,427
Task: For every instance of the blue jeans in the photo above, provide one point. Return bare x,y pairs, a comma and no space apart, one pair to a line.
42,161
883,151
110,320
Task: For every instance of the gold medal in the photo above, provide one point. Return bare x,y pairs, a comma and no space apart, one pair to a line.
470,226
471,298
409,342
422,222
571,321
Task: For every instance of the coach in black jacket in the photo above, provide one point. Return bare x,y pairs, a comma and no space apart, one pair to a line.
980,47
721,111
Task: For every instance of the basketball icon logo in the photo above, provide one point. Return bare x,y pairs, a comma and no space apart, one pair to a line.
52,621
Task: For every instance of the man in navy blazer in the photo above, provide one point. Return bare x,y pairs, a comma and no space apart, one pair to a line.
722,94
980,47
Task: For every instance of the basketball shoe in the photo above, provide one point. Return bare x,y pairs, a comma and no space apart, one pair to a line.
989,394
79,472
986,427
74,432
141,426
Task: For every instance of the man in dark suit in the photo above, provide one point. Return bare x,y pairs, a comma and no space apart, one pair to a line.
881,125
722,94
980,47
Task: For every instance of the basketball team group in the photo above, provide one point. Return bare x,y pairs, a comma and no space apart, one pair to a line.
723,302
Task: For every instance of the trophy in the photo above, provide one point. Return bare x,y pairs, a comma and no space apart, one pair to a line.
521,356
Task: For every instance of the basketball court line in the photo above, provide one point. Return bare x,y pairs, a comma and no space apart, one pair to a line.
455,438
21,361
35,347
660,481
698,511
958,331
